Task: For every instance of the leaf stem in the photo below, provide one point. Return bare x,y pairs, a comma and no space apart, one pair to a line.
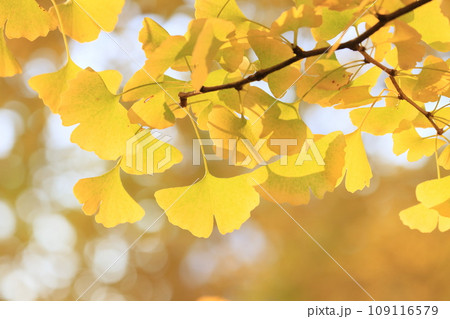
194,125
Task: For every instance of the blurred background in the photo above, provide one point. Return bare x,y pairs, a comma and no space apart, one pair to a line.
49,250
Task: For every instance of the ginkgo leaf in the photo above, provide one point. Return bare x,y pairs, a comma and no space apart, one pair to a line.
8,63
432,25
444,158
152,35
106,197
435,194
271,51
280,121
420,217
223,9
149,153
357,167
417,146
209,35
383,120
51,86
307,173
161,59
153,112
432,81
228,201
236,136
333,23
104,126
321,81
409,50
84,19
24,19
296,18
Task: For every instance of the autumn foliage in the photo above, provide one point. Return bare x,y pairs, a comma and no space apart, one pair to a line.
226,54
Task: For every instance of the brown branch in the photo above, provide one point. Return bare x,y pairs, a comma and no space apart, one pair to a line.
401,94
353,44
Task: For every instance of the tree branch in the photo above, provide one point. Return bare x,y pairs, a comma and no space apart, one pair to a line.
353,44
401,94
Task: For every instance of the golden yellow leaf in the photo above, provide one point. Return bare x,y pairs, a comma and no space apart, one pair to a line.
223,9
209,35
152,35
104,126
228,201
296,18
420,217
435,194
106,196
236,136
409,49
24,19
432,81
299,179
8,63
432,25
271,51
153,112
334,22
51,86
383,120
417,146
84,19
357,165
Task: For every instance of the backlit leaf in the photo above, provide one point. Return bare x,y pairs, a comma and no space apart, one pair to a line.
228,201
103,123
271,51
84,19
105,196
296,18
152,35
8,63
357,167
24,19
444,158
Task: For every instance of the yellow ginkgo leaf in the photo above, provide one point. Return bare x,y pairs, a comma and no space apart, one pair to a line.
152,35
271,51
161,59
444,158
208,35
417,146
334,22
106,196
409,50
24,19
104,125
8,63
383,120
432,81
420,217
430,22
301,175
357,165
296,18
153,112
228,201
51,86
435,194
84,19
236,138
149,153
224,9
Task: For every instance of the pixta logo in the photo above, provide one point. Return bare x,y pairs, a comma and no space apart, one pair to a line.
147,151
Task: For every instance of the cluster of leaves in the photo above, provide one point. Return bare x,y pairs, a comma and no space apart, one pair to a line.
399,44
